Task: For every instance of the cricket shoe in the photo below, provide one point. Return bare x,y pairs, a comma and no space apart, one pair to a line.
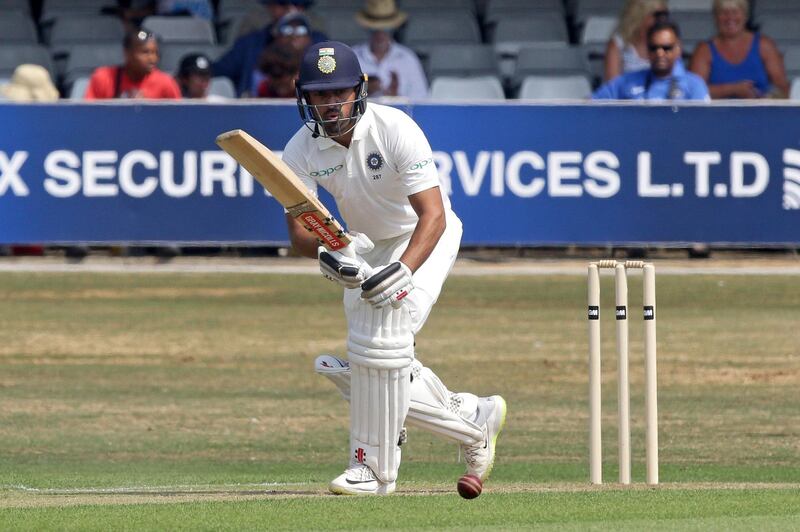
359,479
480,456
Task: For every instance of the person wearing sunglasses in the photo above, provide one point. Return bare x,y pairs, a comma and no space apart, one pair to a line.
626,51
242,61
665,79
736,62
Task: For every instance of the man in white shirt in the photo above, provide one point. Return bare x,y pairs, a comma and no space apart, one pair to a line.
378,165
393,69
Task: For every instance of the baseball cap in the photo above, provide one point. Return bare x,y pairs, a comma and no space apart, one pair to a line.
194,64
329,65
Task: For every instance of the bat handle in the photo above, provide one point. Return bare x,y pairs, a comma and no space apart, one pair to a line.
348,251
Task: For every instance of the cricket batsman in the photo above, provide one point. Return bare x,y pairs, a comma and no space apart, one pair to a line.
377,164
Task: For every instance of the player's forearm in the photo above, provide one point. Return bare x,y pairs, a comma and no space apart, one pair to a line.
303,242
424,238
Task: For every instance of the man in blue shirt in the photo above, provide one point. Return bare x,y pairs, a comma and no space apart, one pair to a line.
666,79
241,61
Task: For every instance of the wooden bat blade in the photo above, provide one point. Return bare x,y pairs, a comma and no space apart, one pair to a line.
285,186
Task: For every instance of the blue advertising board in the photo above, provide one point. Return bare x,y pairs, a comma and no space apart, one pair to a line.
516,174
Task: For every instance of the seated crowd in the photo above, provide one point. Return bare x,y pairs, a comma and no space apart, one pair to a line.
265,47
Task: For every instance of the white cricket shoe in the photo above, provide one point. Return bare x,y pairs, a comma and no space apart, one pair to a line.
480,456
359,479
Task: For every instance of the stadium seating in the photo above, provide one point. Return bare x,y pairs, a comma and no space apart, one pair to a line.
511,34
785,30
542,60
85,29
791,61
587,8
341,26
776,7
229,9
181,29
420,6
84,58
481,87
465,60
17,27
78,88
441,28
221,86
15,54
568,87
695,28
7,6
680,6
172,53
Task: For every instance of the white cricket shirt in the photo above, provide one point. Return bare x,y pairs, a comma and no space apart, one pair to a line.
388,160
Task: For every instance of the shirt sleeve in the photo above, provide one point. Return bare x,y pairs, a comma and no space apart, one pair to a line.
171,89
414,157
607,91
100,85
293,157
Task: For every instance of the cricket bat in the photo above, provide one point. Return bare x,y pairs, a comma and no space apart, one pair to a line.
285,187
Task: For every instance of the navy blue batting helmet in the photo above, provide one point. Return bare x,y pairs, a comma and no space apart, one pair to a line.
326,66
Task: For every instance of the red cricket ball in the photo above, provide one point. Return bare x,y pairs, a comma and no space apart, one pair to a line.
469,486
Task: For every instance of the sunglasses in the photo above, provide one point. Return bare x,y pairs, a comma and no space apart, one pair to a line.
289,30
661,14
656,47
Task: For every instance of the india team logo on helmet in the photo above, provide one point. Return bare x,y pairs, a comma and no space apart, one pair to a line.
330,66
326,63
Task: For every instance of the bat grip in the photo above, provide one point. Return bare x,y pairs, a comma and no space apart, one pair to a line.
348,251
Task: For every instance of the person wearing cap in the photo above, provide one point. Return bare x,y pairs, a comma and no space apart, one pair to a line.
29,83
137,77
291,36
393,69
194,77
242,60
378,165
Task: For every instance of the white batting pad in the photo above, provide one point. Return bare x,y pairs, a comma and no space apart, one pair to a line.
380,346
378,408
432,406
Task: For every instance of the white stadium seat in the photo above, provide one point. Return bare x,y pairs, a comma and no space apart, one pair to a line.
481,87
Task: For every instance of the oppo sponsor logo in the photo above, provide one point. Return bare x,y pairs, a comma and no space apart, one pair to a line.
421,164
328,171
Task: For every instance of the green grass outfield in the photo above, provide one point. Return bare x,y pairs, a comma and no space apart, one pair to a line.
188,401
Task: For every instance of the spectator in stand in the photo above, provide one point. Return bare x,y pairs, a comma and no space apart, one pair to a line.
133,12
627,49
291,35
137,77
30,83
739,63
242,60
194,78
393,69
280,66
665,79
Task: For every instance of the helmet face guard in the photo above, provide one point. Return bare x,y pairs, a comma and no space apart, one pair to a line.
311,114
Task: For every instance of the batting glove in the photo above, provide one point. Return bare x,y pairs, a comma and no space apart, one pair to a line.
388,285
346,267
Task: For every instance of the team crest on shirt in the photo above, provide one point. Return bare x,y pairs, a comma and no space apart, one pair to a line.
375,161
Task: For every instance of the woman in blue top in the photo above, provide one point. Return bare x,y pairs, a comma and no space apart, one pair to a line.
738,63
